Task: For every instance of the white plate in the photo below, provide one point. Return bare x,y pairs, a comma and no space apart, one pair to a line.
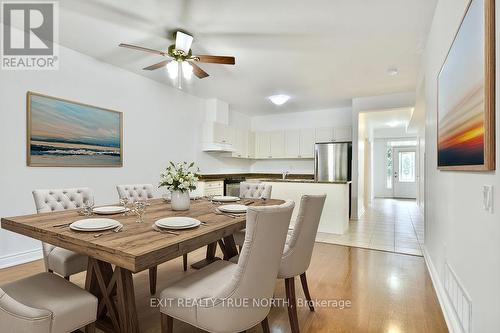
233,208
95,224
225,198
108,210
177,222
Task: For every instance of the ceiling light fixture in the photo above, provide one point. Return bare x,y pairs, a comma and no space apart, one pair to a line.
392,72
179,69
279,99
394,123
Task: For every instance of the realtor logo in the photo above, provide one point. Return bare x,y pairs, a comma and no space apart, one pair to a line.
29,35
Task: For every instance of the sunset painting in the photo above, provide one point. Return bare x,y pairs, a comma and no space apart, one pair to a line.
63,133
462,98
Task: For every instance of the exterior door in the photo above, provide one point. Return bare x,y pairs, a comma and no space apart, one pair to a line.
405,173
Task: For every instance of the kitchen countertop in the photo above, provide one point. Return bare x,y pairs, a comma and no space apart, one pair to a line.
308,181
255,175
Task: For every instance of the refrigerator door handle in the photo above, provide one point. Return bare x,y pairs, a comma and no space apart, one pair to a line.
315,164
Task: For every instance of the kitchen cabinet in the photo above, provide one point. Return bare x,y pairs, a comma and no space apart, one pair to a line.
324,134
307,141
251,145
342,133
217,133
262,145
240,144
292,143
277,141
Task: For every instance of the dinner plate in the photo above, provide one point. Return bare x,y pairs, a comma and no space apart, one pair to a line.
225,198
177,222
233,208
108,210
94,224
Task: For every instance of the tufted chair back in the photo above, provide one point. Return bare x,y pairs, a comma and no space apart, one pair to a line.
299,245
136,192
56,200
255,190
61,199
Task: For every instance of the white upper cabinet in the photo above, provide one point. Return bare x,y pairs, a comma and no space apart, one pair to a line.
240,143
324,134
277,139
342,133
262,145
221,133
307,141
292,143
251,145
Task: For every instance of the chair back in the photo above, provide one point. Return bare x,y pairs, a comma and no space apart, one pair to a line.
56,200
61,199
255,190
17,317
136,192
299,246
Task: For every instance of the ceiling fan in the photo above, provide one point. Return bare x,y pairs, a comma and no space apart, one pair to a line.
182,62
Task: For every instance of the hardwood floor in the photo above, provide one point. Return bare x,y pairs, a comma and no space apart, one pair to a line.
389,292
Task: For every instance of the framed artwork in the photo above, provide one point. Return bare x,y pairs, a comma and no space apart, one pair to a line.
61,133
466,94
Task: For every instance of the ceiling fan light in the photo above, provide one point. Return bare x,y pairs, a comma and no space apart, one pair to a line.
187,70
173,69
279,99
183,41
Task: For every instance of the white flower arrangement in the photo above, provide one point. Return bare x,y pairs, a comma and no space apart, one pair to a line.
181,177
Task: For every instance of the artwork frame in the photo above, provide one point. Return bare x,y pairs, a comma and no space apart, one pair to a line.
105,155
460,148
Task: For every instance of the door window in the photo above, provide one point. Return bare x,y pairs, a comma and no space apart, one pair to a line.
406,166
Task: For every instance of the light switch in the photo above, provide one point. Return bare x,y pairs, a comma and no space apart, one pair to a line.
488,198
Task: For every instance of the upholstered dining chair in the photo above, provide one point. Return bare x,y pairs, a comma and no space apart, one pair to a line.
46,303
59,260
255,190
136,192
222,284
141,192
297,253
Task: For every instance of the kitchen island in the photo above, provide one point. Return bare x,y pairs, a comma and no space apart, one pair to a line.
335,217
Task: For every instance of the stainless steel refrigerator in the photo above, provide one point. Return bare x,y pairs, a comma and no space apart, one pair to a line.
332,161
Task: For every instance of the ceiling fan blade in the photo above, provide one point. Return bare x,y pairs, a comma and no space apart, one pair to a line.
140,48
183,41
200,73
216,59
158,65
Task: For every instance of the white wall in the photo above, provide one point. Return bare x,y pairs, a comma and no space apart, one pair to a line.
458,230
310,119
160,124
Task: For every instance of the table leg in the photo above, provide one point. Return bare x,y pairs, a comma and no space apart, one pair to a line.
210,257
108,285
230,247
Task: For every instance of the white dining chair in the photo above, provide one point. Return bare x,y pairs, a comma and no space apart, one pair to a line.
59,260
46,303
298,251
222,283
143,192
255,190
136,192
251,191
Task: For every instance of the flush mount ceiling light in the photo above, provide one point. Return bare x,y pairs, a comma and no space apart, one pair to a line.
392,72
279,99
394,123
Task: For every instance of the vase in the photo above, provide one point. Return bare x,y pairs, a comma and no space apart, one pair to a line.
180,200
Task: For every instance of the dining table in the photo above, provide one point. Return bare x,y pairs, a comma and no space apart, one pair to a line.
115,256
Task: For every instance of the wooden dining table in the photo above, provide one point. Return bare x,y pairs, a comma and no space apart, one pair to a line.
115,256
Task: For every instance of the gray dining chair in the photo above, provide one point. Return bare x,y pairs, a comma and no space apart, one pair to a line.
255,190
142,192
56,259
46,303
222,283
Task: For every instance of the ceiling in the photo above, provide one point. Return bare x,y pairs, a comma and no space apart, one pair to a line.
394,119
322,53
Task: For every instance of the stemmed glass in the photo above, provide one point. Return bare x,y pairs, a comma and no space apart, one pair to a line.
88,207
139,210
124,202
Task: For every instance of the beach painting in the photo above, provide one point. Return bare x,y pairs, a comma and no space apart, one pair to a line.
466,95
62,133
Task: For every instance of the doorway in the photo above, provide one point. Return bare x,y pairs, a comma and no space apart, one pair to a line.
404,173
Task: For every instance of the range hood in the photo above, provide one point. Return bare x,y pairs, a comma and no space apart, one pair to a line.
217,147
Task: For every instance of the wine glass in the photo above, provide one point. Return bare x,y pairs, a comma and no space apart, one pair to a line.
140,209
124,202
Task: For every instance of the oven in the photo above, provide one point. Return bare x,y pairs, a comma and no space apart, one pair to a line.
232,186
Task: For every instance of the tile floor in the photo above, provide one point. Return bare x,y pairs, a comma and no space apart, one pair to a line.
392,225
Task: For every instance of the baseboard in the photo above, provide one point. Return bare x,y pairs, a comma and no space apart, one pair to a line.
449,314
20,258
